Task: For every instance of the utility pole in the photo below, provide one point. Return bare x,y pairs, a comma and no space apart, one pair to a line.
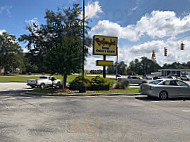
83,40
83,87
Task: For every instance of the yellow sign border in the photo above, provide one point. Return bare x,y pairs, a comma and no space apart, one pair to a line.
103,53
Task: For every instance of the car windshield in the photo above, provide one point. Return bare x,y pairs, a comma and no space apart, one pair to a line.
155,82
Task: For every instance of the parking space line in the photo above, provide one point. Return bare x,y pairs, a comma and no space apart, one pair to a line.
186,110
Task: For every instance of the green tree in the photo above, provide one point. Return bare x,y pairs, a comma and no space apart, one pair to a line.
66,58
176,65
11,54
121,68
29,64
145,66
111,69
131,69
49,39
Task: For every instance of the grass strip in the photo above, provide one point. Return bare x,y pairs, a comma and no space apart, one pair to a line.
24,78
52,91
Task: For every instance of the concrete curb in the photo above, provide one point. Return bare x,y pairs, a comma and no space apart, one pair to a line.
84,95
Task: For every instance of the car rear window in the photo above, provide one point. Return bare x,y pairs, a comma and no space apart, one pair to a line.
155,82
43,77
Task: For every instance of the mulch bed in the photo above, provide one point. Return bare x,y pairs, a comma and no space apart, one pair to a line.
112,89
68,90
62,90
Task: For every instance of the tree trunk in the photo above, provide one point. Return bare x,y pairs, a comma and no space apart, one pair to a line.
64,81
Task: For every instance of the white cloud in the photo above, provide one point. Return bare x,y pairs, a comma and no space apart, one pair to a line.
30,22
5,9
25,50
174,53
92,10
128,53
90,63
158,24
2,31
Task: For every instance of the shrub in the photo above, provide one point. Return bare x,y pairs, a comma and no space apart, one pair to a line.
77,83
122,85
99,83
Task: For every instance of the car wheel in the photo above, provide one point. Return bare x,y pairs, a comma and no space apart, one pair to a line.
59,85
163,95
42,86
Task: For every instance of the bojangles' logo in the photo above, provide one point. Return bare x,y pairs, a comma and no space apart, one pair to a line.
85,127
104,42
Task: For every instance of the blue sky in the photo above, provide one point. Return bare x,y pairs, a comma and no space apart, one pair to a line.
141,25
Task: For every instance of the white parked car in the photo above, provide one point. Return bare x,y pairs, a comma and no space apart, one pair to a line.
133,80
44,81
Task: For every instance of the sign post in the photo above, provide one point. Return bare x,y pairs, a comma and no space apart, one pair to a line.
104,45
104,67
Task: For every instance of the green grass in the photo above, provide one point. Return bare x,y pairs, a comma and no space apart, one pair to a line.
17,78
24,78
51,91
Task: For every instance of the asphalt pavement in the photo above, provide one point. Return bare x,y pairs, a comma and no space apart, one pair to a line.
90,119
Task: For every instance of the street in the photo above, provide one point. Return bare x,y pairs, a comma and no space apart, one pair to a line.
122,118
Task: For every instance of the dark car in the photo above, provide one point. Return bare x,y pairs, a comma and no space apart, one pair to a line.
157,77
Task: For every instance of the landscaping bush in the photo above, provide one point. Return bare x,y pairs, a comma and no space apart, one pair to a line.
99,83
122,85
77,83
96,83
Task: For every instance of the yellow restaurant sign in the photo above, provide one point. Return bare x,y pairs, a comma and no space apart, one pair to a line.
104,63
104,45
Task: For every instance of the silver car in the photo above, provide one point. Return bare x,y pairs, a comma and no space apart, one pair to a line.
165,88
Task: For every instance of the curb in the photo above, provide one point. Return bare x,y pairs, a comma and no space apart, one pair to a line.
80,95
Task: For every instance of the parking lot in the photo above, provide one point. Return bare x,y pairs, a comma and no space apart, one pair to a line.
91,119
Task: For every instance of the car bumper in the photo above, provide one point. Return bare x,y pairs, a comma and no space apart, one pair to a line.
148,92
31,85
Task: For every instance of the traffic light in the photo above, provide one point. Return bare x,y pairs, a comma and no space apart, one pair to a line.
165,52
182,46
153,54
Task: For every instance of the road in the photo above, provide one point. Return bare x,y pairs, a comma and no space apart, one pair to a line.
90,119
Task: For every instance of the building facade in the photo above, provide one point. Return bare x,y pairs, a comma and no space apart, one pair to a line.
178,72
